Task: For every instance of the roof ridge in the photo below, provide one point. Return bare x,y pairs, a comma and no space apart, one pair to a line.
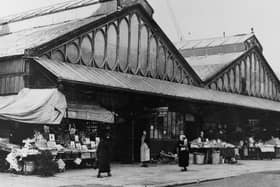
219,37
45,10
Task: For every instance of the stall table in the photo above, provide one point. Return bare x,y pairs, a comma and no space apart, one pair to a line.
226,153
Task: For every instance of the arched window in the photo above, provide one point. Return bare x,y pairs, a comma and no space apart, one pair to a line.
220,84
213,86
257,76
170,67
161,61
178,72
123,45
153,56
248,75
99,48
72,52
134,38
231,80
112,46
143,51
86,50
237,78
253,74
58,55
226,82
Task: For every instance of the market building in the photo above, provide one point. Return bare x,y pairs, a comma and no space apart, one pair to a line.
236,64
119,71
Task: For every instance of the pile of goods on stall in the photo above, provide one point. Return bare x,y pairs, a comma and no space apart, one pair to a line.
197,143
46,155
212,152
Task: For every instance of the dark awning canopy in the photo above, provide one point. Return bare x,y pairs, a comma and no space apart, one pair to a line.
92,112
99,77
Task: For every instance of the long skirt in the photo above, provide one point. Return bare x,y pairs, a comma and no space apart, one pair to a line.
144,153
183,158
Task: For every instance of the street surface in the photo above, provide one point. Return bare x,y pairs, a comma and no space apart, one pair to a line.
264,179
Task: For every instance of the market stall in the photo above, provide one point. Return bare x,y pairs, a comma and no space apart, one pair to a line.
45,132
213,152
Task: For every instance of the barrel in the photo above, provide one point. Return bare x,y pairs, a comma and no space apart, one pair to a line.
191,158
199,158
215,157
28,167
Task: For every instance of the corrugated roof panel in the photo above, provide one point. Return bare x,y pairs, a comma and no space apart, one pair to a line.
47,10
16,43
105,78
207,66
212,42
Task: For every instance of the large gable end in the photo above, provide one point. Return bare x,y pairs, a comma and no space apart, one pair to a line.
128,41
250,74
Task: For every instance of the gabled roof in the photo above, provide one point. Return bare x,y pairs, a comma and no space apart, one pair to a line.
207,66
218,45
79,74
35,41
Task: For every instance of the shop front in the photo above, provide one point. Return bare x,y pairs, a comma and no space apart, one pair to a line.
118,73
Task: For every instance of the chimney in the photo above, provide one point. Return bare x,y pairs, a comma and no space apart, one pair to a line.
4,29
252,30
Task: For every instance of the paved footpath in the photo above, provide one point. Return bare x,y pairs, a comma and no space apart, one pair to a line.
133,175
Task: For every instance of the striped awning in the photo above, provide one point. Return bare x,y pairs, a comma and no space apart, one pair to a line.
81,74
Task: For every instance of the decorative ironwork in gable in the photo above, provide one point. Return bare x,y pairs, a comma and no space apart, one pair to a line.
251,76
127,44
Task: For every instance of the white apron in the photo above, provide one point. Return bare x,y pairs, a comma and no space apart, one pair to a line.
144,153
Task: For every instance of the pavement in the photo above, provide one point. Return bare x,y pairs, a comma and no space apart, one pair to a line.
133,175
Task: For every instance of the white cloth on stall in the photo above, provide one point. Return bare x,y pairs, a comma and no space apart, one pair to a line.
39,106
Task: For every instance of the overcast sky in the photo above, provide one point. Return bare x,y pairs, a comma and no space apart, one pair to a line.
202,19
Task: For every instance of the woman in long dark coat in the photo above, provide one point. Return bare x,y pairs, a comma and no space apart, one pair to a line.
103,156
183,152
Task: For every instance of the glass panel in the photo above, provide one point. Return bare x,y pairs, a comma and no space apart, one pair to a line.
257,76
248,75
265,84
185,78
143,51
220,84
112,46
72,52
134,33
270,88
161,62
237,78
58,55
243,69
86,50
153,56
261,80
178,72
231,76
169,68
253,69
123,46
99,48
213,86
226,86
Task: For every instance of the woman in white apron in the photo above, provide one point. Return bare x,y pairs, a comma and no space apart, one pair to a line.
144,151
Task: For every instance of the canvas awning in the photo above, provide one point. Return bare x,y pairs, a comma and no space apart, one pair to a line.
81,74
92,112
37,106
